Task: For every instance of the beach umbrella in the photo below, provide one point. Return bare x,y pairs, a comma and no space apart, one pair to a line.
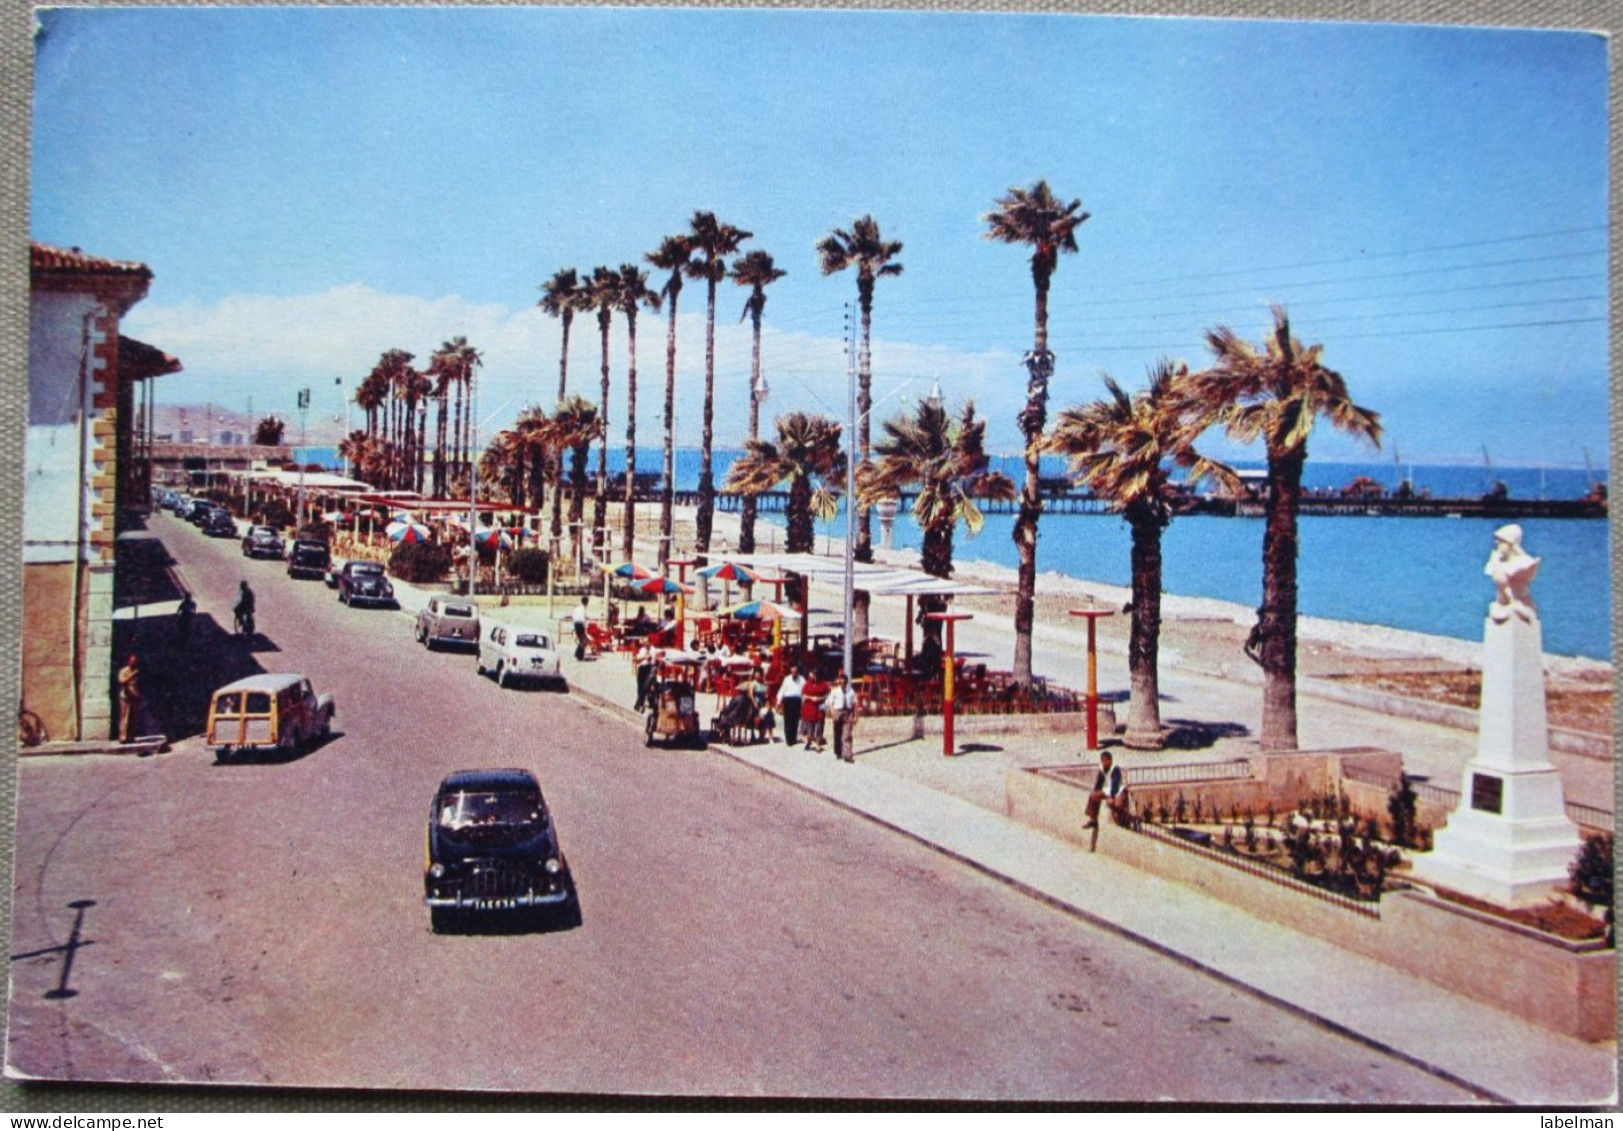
630,571
729,571
496,535
760,610
661,585
406,532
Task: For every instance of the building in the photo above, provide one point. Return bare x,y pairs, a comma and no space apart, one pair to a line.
81,464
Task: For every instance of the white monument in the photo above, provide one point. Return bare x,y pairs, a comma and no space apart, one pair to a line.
1510,841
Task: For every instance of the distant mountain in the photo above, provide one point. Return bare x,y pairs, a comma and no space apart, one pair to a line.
205,423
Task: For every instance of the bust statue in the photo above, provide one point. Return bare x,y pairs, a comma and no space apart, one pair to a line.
1512,570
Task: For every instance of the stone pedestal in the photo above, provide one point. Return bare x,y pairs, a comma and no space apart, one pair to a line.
1510,841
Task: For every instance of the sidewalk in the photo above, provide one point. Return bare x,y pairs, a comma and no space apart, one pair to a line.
955,807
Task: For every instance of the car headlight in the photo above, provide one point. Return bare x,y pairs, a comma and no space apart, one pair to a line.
553,866
436,869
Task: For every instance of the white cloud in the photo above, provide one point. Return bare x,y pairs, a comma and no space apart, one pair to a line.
268,347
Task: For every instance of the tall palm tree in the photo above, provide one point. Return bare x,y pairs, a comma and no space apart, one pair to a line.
809,455
603,292
562,296
1124,448
673,255
395,367
574,425
1037,218
634,292
501,465
440,374
874,257
370,396
533,445
1274,394
756,271
712,242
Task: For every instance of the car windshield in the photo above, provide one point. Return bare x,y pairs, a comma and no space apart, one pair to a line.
366,567
471,812
531,640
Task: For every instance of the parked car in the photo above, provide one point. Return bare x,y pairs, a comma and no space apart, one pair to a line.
262,542
273,711
364,583
512,654
220,524
447,621
309,557
179,505
199,512
493,851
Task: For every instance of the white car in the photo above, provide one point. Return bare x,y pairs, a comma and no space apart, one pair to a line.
513,653
445,620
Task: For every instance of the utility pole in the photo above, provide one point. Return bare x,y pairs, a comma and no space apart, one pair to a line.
850,483
304,411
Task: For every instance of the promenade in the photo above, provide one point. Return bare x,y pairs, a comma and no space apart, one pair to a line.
956,806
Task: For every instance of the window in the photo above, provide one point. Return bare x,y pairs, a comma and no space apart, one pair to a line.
258,703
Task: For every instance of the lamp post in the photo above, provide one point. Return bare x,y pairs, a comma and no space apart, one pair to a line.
947,666
1092,615
304,412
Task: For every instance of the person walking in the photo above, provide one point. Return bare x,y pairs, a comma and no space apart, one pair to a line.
842,710
790,696
578,620
184,613
129,698
244,611
645,673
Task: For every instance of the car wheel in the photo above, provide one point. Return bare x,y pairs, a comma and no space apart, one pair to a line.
479,665
442,920
501,675
649,739
569,915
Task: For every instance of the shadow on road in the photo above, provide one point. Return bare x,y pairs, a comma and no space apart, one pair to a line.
270,756
178,678
1188,734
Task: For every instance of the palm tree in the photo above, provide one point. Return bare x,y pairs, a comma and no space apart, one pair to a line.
370,396
562,295
1274,395
440,374
809,455
400,379
574,425
533,446
1035,217
872,256
634,292
712,242
673,255
756,271
603,293
946,461
501,464
1123,448
465,359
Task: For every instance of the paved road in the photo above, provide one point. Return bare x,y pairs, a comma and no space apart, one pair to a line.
263,923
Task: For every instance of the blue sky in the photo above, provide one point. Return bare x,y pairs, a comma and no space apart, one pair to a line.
314,186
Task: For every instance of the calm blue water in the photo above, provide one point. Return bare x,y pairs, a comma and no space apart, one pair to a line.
1422,574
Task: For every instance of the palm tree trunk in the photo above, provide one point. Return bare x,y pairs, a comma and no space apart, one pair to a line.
1032,420
439,443
746,529
667,503
1144,637
802,534
864,548
600,505
705,519
456,431
568,317
628,538
422,443
1273,640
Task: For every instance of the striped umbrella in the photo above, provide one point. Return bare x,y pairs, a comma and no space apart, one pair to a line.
663,585
406,532
494,535
760,610
729,571
630,571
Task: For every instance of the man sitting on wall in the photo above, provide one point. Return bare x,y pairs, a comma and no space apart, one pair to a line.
1107,787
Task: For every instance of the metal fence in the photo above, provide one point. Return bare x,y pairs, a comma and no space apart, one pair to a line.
1232,769
1587,816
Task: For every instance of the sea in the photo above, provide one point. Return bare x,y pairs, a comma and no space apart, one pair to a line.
1417,573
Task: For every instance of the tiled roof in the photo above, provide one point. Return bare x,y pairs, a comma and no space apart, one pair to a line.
137,361
44,258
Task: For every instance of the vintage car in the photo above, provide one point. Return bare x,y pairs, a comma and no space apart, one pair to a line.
309,557
198,513
512,653
220,524
493,851
445,620
262,542
276,712
364,583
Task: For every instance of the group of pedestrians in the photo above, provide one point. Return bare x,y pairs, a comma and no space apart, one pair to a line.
810,705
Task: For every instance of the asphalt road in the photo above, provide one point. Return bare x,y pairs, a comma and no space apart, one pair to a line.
263,923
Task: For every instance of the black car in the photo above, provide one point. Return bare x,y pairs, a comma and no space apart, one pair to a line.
493,853
309,557
220,524
363,583
199,511
262,542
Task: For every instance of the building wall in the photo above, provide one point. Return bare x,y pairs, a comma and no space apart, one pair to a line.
69,511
